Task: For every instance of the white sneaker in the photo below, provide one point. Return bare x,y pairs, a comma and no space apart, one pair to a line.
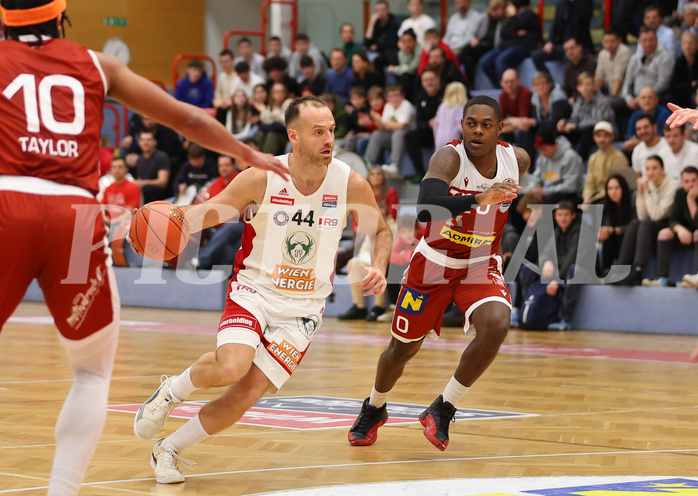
164,463
153,414
391,170
387,316
690,281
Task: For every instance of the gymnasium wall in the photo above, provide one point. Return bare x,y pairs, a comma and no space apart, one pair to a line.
156,30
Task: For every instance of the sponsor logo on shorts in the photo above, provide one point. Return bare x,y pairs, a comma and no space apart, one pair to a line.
299,248
471,240
238,322
242,287
308,325
280,218
412,301
83,301
282,201
286,354
504,206
293,279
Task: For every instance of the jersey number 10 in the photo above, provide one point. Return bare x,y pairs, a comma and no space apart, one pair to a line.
38,105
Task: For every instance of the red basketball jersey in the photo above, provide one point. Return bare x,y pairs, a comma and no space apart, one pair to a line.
477,232
51,112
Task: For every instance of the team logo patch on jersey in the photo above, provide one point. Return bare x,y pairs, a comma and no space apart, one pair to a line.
299,248
471,240
280,218
329,201
281,201
293,279
308,325
412,301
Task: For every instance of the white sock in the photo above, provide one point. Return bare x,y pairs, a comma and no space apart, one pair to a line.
378,399
454,391
189,434
181,386
84,412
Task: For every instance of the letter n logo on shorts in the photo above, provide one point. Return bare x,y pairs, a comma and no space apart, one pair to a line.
412,301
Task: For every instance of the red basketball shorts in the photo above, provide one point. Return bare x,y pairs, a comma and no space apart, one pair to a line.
428,288
61,241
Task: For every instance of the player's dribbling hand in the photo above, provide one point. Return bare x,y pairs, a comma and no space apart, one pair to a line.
266,161
374,282
497,193
136,247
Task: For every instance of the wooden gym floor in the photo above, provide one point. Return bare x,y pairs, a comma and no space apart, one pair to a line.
595,403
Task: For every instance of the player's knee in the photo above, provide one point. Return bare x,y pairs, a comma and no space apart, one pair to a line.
494,329
399,352
230,373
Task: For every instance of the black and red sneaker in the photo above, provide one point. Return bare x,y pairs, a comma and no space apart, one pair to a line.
364,432
435,420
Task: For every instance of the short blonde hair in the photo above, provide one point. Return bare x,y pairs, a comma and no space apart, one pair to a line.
455,95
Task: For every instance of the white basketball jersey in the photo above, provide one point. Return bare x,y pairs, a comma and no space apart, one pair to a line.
290,245
477,232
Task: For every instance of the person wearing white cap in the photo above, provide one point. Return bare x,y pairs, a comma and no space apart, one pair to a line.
601,161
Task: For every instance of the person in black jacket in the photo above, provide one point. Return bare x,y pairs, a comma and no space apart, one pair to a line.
486,38
381,33
520,35
572,18
427,103
684,79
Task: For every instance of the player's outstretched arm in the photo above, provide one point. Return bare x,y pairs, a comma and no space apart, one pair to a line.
230,204
192,122
362,204
680,116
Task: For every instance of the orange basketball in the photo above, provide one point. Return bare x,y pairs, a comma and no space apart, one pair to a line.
159,230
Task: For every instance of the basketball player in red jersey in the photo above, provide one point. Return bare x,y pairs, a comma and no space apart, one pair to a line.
51,106
465,198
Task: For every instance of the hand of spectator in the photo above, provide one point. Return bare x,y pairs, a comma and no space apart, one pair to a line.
630,143
364,120
497,193
684,235
692,193
131,160
126,142
349,108
642,185
569,127
474,42
552,287
604,232
548,47
225,104
521,32
375,116
680,116
259,106
548,270
538,192
561,126
390,69
431,122
373,282
263,161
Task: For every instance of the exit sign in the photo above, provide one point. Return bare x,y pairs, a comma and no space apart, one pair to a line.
115,21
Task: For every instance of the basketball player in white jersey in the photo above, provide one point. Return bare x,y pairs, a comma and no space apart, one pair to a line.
284,273
465,198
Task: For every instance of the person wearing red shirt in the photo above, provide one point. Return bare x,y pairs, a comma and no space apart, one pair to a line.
122,196
515,100
432,38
